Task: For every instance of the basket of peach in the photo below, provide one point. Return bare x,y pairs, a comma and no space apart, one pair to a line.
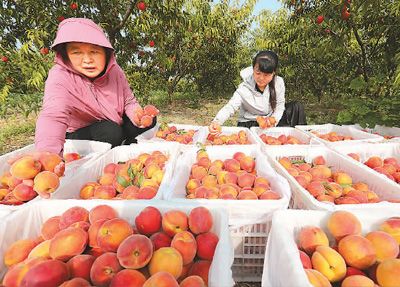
341,248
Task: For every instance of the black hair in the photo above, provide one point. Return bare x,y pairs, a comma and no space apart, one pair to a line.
268,63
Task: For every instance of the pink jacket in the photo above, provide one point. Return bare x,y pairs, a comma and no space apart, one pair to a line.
72,101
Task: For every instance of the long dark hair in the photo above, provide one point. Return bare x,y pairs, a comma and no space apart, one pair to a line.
268,63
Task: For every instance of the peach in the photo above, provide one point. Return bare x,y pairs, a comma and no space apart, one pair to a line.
357,281
186,244
3,192
204,162
24,192
161,279
130,192
354,156
93,231
192,184
193,281
121,182
25,168
247,163
76,282
231,178
316,279
392,226
374,161
16,273
316,188
200,220
146,121
80,266
271,195
68,243
228,190
106,179
12,182
353,271
305,260
112,232
160,239
104,192
333,189
198,172
41,250
329,262
385,245
128,277
325,197
110,168
45,182
343,223
135,251
18,251
46,273
302,180
206,245
147,192
72,215
361,186
201,268
360,196
166,259
87,190
71,156
150,110
158,176
246,180
50,227
388,273
320,172
231,165
261,180
209,181
346,200
148,221
357,251
342,178
247,195
102,212
104,269
310,237
319,160
174,221
150,169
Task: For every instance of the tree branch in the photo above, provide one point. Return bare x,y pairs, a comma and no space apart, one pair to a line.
363,52
125,18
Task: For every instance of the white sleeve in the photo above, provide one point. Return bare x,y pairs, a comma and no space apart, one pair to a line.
229,109
280,100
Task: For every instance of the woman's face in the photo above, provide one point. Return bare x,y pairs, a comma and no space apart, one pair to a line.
87,59
262,79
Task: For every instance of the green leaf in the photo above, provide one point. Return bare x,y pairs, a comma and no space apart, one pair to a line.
122,181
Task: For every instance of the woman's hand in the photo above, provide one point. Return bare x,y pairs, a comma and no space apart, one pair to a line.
214,129
266,122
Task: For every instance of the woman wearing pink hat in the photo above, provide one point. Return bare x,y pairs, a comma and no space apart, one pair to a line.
86,93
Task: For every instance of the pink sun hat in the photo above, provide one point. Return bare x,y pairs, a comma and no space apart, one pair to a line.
81,30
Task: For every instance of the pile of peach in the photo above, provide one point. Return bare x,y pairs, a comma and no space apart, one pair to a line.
265,122
144,116
225,139
354,259
332,136
173,134
81,248
280,140
29,176
389,166
233,178
138,178
325,185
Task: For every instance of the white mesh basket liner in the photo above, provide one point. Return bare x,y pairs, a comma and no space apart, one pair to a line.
302,199
150,135
91,172
251,137
89,151
358,135
26,223
241,212
366,150
388,131
287,131
282,265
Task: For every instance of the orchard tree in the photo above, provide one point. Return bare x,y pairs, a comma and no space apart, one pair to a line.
340,52
164,46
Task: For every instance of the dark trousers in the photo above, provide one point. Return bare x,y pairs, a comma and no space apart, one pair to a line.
110,132
293,115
